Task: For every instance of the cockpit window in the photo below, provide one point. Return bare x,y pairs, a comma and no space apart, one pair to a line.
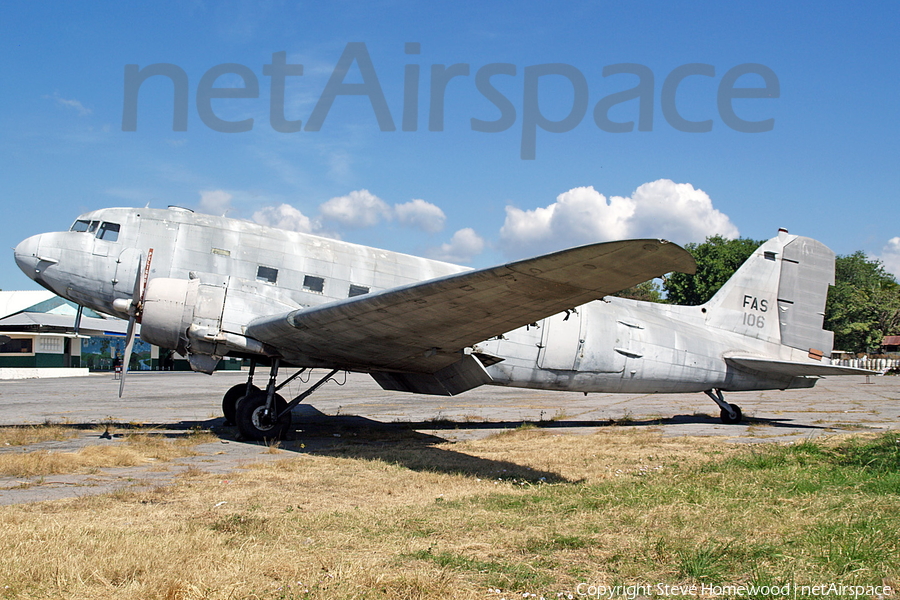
80,226
108,231
93,226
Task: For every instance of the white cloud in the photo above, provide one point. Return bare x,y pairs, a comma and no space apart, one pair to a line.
215,202
421,215
285,216
359,208
890,256
71,103
463,247
678,212
662,208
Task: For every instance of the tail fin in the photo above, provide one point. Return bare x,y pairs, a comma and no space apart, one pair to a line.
779,294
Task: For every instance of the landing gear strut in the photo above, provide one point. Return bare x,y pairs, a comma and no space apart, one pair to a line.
730,413
235,394
264,414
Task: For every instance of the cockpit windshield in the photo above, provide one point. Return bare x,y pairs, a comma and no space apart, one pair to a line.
104,230
108,231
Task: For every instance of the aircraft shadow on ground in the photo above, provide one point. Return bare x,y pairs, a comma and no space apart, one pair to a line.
350,436
345,436
308,417
407,443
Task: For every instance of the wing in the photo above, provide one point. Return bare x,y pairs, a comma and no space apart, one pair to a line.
422,327
793,369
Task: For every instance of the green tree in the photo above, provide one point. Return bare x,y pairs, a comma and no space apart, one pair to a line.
717,260
864,304
649,291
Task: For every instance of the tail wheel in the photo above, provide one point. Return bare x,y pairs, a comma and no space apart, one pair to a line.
231,399
728,419
256,423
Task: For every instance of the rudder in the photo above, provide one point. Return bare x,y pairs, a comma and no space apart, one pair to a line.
778,295
807,269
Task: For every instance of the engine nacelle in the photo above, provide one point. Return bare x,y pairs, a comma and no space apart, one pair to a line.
168,312
186,315
182,314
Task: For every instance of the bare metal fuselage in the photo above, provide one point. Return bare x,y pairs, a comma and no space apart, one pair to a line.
609,345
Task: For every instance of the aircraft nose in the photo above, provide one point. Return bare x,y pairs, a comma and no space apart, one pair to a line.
27,255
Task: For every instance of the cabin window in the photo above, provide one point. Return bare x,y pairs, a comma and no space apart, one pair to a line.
80,226
108,232
313,284
357,290
267,274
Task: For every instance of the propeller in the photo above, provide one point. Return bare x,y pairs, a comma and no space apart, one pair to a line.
134,308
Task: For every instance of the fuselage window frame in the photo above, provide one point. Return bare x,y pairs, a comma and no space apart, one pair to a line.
267,274
314,284
357,290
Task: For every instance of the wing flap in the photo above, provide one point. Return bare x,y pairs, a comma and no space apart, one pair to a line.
459,377
422,327
792,368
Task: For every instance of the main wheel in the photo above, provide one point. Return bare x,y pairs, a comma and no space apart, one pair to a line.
728,419
231,399
255,423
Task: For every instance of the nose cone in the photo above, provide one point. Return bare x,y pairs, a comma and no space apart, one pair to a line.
27,255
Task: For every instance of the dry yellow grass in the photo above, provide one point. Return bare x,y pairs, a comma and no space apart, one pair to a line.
345,526
412,520
134,449
22,435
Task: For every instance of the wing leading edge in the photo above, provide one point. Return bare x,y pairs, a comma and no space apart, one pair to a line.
423,327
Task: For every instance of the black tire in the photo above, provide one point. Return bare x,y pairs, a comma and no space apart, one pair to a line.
254,424
728,419
231,399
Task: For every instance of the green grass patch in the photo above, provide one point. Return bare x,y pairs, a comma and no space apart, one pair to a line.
499,574
771,515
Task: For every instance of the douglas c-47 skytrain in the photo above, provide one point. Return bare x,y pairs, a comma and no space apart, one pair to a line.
211,286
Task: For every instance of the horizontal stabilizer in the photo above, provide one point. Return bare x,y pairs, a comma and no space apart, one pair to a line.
792,368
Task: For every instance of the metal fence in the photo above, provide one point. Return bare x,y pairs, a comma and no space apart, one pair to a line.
873,364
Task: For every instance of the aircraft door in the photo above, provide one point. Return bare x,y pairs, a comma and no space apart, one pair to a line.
101,247
602,334
560,341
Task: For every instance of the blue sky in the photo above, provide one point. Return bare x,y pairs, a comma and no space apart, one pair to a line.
827,168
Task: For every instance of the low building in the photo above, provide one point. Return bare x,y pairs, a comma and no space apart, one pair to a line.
37,331
890,344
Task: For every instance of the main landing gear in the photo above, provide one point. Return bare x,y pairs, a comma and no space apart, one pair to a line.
731,413
264,414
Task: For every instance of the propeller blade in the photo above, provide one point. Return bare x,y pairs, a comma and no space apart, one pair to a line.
136,292
135,310
126,357
137,305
